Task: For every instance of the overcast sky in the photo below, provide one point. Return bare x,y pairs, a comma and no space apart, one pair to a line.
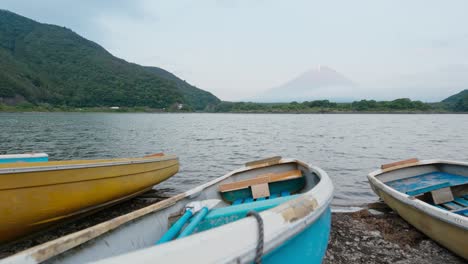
237,49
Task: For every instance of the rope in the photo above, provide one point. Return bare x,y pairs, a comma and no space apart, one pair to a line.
259,251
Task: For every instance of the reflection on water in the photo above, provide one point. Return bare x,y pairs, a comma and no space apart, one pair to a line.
347,146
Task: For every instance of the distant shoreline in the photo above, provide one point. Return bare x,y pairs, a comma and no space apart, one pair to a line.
240,112
399,106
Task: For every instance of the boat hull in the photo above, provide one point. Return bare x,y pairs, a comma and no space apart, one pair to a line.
308,246
450,236
36,196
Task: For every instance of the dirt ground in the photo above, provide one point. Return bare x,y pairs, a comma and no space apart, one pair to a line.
381,236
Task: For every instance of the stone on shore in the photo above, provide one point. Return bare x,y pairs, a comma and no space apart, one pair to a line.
383,237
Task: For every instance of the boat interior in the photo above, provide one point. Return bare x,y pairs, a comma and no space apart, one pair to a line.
442,185
257,189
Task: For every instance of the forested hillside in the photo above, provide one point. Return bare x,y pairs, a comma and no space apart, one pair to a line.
42,63
458,102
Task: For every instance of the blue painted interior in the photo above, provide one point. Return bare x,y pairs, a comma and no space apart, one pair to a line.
426,180
308,246
248,200
291,186
462,212
25,159
461,201
453,205
224,215
433,181
460,204
430,188
274,195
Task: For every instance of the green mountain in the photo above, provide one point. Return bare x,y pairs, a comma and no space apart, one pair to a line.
456,97
194,96
43,63
458,102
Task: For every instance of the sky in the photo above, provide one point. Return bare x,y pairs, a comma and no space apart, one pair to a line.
237,49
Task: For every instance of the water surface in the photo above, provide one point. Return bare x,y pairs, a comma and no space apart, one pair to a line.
347,146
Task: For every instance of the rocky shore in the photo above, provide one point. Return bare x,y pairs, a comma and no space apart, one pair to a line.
378,235
372,235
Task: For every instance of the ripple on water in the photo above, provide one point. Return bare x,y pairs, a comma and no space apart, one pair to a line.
348,147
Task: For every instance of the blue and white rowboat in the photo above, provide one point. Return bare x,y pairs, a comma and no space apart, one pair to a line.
212,224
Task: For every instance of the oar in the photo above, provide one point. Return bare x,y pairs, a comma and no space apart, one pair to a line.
203,207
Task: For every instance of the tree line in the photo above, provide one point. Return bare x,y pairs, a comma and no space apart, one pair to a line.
398,105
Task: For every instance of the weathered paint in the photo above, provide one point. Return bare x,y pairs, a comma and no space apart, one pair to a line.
36,195
297,208
426,180
445,227
263,162
308,246
399,163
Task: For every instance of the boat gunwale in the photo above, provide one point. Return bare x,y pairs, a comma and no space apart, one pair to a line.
91,180
60,245
433,211
106,163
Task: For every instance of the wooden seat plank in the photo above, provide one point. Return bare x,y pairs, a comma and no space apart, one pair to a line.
265,178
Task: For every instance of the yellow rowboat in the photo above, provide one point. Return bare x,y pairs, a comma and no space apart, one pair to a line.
38,194
432,195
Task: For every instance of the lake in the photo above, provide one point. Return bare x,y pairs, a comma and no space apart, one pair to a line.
346,146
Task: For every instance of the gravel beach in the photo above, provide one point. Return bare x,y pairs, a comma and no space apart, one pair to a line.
380,236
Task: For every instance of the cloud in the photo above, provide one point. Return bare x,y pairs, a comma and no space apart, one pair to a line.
236,49
430,86
77,15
